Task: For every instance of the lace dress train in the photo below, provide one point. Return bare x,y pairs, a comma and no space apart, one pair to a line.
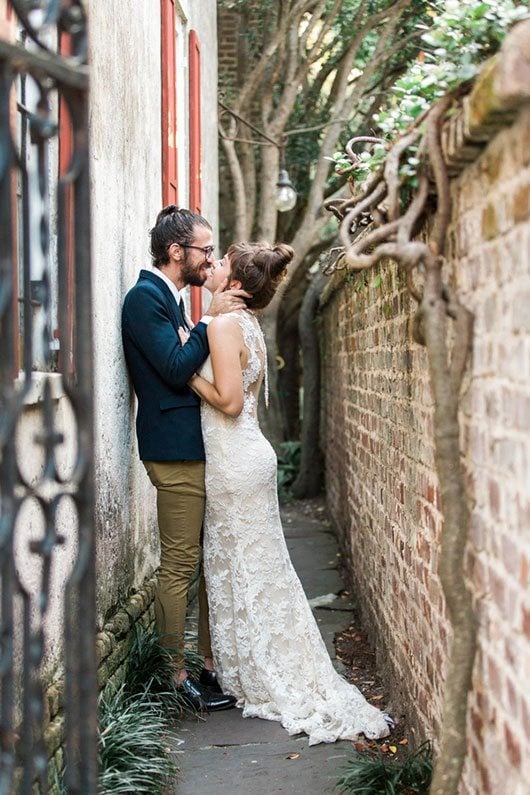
267,646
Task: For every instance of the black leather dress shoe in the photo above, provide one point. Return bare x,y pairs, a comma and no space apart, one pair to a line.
202,699
209,679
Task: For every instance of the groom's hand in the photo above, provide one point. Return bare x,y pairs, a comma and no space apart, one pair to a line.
227,300
184,335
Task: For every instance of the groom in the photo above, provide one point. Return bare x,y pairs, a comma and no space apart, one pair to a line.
168,424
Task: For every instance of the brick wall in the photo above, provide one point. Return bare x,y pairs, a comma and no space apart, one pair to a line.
113,645
382,488
228,35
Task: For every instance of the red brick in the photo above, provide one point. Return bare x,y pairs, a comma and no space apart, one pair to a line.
494,677
521,203
513,747
477,724
525,612
494,497
524,569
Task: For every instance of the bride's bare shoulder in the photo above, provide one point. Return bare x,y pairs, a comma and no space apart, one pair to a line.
226,323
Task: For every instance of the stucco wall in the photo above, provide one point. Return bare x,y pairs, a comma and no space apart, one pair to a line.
382,487
126,196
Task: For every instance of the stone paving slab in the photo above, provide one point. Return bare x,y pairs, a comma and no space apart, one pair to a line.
226,754
263,769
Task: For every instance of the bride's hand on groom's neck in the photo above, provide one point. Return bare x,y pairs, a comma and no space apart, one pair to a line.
224,300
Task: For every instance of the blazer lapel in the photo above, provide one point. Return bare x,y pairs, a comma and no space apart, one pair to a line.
173,307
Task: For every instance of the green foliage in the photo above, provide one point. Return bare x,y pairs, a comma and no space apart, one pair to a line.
136,721
375,774
151,670
134,736
58,786
460,36
288,467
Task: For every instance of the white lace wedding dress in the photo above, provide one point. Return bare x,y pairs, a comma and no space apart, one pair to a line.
267,647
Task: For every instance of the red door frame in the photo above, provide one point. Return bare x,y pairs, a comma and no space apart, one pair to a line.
195,149
169,104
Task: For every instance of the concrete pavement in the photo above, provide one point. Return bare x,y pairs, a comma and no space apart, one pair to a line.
224,754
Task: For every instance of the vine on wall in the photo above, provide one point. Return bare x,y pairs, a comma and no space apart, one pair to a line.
392,237
392,189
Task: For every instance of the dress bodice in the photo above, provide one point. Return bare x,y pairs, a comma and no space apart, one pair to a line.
254,372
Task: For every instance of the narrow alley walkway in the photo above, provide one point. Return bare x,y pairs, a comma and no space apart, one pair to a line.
228,755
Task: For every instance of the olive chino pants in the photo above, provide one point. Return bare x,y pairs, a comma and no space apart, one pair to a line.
180,507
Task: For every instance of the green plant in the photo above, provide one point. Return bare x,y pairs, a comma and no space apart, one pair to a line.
150,669
288,466
134,743
58,786
461,35
136,721
375,774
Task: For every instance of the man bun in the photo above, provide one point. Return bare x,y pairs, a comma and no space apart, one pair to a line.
165,211
173,225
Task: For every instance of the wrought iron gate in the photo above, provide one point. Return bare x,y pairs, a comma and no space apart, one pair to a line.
46,345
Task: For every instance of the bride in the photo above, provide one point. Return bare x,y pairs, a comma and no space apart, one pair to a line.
267,647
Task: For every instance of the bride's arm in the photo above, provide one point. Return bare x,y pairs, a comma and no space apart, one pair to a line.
226,392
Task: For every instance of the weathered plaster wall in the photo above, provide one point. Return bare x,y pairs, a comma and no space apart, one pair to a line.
126,197
382,487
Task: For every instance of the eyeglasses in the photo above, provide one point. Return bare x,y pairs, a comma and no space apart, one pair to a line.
206,250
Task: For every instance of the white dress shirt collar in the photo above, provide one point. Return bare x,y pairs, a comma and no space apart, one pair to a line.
177,294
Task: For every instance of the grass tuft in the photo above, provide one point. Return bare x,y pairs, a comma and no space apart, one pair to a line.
375,774
135,753
136,721
151,670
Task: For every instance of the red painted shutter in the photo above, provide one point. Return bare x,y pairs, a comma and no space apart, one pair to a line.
195,150
169,104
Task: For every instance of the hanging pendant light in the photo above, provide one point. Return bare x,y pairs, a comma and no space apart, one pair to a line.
285,196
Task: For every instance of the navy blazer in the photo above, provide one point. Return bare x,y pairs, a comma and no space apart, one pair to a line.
168,422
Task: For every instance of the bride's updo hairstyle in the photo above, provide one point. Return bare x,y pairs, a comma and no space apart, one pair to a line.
260,268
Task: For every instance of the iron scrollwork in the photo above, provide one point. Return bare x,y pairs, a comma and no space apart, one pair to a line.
45,325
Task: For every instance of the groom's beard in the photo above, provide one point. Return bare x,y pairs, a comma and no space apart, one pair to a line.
191,274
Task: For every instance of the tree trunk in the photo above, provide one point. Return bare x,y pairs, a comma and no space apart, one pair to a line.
446,383
309,480
289,374
271,418
266,210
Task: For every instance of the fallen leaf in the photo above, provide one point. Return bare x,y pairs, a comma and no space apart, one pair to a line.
404,741
360,747
376,698
293,756
384,748
392,748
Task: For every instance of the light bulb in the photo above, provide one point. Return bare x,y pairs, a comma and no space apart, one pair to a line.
285,196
